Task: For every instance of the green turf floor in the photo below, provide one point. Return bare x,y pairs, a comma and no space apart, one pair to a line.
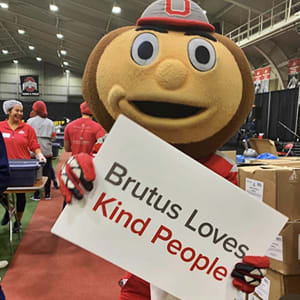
5,252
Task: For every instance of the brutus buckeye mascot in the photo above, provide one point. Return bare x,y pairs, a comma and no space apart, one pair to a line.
192,87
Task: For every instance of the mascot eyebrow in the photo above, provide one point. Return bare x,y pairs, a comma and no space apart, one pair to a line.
201,33
161,30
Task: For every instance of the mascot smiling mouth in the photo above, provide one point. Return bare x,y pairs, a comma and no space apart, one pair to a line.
166,109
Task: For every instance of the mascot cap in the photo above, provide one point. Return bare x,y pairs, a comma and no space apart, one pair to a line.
183,13
40,108
85,109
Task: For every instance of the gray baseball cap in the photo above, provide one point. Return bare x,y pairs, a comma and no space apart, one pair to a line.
183,13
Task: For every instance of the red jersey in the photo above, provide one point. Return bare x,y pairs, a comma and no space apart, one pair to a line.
19,142
135,288
82,134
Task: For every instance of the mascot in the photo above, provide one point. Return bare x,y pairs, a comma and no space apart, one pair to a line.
192,87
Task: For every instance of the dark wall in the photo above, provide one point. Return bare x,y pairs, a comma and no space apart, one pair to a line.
56,111
280,106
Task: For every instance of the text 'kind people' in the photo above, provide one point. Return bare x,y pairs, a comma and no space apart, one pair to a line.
110,208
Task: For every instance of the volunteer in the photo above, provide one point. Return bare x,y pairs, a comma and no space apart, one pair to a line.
20,139
45,131
81,134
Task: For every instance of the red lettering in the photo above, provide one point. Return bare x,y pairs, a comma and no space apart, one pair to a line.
182,254
143,224
161,236
102,203
212,265
174,244
198,259
124,213
185,12
218,271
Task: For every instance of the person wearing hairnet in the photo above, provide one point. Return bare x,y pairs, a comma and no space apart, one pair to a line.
20,139
45,131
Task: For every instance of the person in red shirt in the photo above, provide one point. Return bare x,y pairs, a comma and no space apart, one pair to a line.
81,134
20,139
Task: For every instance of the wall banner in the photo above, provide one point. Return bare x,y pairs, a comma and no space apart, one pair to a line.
261,80
30,85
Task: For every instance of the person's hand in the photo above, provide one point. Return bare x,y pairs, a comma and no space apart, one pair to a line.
78,170
248,275
41,158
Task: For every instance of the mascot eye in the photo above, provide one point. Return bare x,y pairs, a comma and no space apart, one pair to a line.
202,54
144,49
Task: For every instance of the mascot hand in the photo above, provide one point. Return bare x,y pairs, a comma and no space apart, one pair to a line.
79,169
248,274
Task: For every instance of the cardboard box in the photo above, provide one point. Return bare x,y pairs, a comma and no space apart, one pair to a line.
230,154
263,146
277,186
284,252
276,285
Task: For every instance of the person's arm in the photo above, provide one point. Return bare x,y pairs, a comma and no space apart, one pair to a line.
34,146
67,146
67,141
4,169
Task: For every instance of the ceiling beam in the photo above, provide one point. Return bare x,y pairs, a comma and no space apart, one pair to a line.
222,12
50,37
247,7
12,38
273,65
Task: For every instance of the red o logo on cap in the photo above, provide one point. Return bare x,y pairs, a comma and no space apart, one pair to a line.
185,12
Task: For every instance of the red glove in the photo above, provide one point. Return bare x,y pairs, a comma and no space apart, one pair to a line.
78,170
248,274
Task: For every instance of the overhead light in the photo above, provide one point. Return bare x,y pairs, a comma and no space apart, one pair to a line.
30,47
3,5
116,10
67,71
21,31
65,63
15,61
39,58
63,52
4,51
60,36
53,7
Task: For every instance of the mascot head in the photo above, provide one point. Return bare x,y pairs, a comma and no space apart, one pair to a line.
173,75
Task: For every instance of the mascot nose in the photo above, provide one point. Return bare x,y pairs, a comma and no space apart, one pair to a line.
171,74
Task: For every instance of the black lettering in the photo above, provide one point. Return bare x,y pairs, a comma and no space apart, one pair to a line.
142,195
217,239
210,229
243,249
165,206
188,222
174,208
129,179
230,243
153,192
113,172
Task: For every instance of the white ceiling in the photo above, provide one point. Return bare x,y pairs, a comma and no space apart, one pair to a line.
84,22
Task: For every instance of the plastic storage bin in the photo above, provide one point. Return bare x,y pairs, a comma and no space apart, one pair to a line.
23,172
55,149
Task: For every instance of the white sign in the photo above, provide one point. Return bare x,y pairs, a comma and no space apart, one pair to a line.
275,251
263,290
166,218
255,188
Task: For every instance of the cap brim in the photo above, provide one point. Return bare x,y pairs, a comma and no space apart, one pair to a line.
175,22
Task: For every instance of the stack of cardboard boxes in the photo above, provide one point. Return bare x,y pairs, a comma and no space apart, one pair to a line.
277,183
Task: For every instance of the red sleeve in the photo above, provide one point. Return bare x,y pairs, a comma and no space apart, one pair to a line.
66,133
100,132
32,139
